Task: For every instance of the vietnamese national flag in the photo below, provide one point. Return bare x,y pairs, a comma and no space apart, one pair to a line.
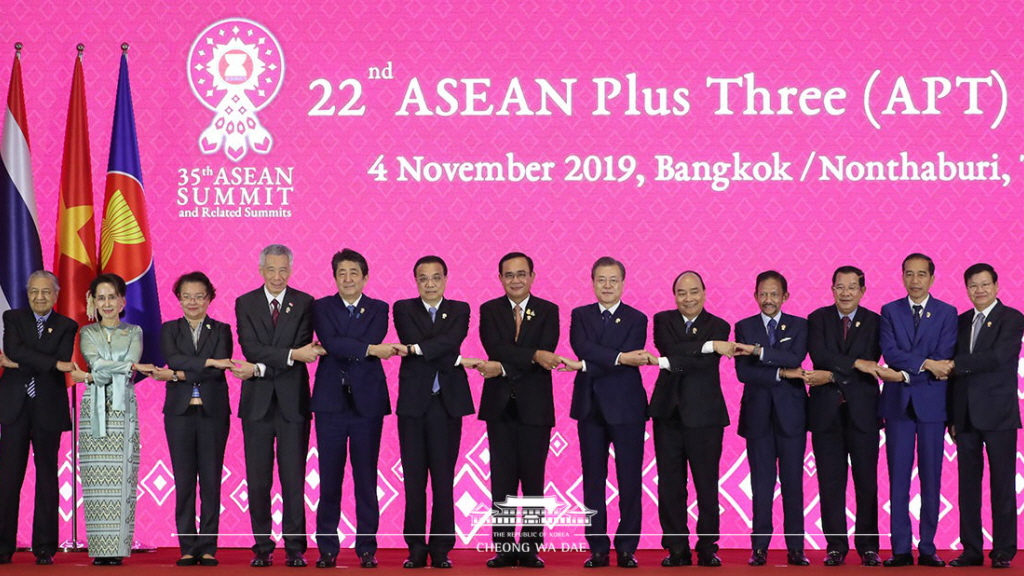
75,258
126,248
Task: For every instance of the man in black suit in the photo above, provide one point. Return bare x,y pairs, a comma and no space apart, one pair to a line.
519,332
690,417
350,400
38,344
433,396
773,415
275,331
842,414
985,415
610,405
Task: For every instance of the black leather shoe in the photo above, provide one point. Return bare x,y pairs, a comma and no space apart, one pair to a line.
441,562
758,557
964,560
116,561
44,559
930,560
262,560
835,558
5,558
367,560
187,560
1000,561
627,560
680,559
899,560
503,561
295,561
797,558
99,561
530,560
870,558
208,560
596,560
417,563
327,560
708,559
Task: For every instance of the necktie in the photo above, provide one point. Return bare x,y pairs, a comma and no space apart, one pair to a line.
275,310
351,310
846,327
437,382
518,311
30,388
979,320
771,332
606,317
917,315
689,324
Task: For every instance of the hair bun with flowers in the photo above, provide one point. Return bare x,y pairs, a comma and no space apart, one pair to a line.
90,307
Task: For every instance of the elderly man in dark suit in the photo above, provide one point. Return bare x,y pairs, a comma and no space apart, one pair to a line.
37,349
842,414
433,396
519,332
610,404
985,415
773,415
350,400
275,331
690,417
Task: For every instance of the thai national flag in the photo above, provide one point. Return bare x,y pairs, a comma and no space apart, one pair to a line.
20,250
126,247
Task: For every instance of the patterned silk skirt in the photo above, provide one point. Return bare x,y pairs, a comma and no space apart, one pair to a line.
110,473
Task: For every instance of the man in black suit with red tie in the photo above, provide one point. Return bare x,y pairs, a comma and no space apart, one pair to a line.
610,404
275,331
433,396
519,332
690,417
773,415
842,414
985,415
37,349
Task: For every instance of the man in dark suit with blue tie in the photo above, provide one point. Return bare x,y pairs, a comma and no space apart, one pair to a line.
433,396
985,416
610,404
917,334
773,414
350,400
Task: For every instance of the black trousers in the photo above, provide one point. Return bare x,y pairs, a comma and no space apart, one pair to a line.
519,453
291,440
14,442
196,442
772,456
429,446
677,447
837,450
1001,446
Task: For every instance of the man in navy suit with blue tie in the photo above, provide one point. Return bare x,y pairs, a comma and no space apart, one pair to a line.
917,333
610,404
350,400
773,414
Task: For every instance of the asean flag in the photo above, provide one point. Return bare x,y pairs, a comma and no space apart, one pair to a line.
126,247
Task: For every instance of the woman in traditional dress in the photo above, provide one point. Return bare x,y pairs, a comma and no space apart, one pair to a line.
108,428
197,415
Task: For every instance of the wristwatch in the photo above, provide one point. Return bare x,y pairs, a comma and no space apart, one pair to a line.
174,376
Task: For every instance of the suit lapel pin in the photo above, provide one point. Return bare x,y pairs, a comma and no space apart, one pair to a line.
695,330
856,324
927,314
617,320
362,311
783,327
444,315
988,324
529,314
49,330
207,326
288,308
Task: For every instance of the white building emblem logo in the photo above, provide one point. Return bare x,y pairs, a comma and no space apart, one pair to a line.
235,68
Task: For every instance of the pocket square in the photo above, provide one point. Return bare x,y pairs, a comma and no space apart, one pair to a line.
784,339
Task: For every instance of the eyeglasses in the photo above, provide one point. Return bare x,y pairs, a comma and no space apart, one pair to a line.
510,276
436,279
192,297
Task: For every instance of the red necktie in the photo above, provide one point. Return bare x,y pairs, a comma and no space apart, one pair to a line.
846,327
275,311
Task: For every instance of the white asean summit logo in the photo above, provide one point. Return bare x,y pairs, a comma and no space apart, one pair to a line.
235,68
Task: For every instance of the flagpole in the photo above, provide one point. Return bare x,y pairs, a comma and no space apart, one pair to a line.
74,544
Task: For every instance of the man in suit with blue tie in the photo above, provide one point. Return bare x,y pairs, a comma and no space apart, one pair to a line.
433,396
984,411
773,414
350,400
610,404
917,334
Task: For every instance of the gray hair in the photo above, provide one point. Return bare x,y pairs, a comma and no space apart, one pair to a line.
43,274
276,250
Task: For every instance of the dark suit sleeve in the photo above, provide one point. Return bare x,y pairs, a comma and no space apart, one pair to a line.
896,357
448,342
345,346
31,361
258,352
686,356
995,359
821,356
946,346
517,360
601,359
749,369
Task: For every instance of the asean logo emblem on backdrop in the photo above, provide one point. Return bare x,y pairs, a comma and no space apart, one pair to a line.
235,68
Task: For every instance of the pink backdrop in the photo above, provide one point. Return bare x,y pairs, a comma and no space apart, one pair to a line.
803,227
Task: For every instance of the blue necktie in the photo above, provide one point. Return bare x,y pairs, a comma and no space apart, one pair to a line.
437,382
689,324
917,315
606,317
31,387
351,310
771,332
